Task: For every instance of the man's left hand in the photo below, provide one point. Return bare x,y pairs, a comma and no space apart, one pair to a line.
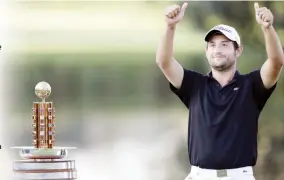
263,16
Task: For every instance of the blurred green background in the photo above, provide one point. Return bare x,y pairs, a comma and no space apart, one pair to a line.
111,99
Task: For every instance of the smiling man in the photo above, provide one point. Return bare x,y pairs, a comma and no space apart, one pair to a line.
224,104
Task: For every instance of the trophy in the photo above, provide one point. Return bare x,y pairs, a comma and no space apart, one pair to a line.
43,160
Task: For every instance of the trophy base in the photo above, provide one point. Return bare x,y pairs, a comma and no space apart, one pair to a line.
44,170
43,153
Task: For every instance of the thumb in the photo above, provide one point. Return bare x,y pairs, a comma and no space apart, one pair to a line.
256,6
183,7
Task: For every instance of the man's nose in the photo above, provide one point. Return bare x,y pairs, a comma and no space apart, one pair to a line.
217,51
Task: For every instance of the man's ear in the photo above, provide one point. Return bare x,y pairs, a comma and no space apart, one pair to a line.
239,51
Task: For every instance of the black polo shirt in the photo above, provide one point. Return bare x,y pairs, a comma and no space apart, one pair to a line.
223,121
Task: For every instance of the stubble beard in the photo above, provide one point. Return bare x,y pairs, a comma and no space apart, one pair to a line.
224,67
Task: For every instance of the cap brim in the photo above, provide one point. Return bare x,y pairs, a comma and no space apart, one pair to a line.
214,31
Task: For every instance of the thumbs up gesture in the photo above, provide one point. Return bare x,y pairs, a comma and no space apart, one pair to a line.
263,16
174,14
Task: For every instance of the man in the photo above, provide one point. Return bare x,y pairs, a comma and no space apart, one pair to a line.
224,105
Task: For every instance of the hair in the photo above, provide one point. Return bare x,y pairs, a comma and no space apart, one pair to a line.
236,46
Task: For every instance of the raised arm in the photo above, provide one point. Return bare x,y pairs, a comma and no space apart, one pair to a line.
164,56
270,71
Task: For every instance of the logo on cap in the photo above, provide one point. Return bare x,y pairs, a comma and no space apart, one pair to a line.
222,28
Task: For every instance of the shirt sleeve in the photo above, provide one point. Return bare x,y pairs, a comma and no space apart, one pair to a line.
188,86
260,92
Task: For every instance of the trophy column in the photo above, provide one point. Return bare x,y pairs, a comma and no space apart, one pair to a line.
43,124
43,160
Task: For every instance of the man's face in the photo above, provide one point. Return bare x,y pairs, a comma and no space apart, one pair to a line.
221,53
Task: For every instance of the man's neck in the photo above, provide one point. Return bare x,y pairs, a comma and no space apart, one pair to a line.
224,77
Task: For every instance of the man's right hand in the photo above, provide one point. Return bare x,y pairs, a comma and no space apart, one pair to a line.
174,14
173,71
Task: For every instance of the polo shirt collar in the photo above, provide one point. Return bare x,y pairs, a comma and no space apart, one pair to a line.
237,73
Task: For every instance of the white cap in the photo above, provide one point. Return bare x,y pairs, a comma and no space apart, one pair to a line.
227,31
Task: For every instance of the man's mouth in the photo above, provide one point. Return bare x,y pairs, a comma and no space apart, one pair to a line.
219,56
